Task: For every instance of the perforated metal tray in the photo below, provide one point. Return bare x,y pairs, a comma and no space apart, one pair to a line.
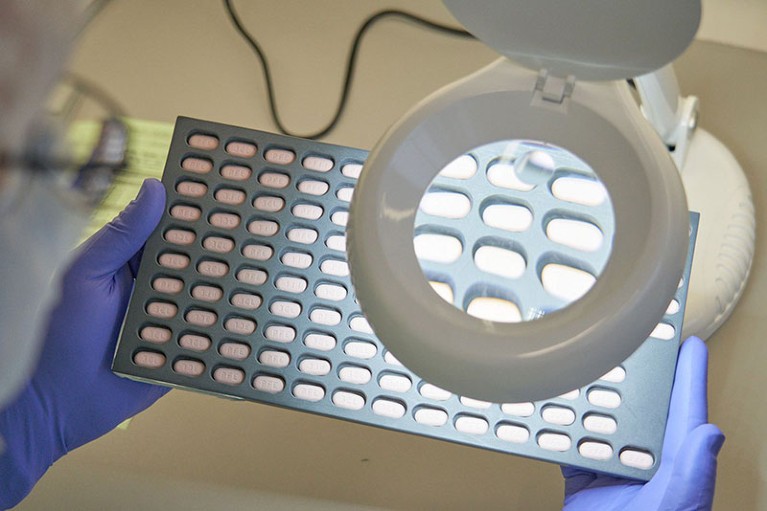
326,360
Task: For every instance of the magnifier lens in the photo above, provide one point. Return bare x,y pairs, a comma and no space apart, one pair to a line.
513,230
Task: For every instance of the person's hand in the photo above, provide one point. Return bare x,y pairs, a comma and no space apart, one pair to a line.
73,397
687,474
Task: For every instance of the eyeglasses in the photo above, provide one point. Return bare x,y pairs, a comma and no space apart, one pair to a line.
90,179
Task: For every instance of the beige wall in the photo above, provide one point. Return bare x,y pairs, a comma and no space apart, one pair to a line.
735,22
180,57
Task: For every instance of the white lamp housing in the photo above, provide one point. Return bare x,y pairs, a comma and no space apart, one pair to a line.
598,121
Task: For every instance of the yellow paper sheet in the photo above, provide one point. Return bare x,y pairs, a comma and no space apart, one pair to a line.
147,150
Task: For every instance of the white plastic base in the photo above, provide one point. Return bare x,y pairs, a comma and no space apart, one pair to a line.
717,188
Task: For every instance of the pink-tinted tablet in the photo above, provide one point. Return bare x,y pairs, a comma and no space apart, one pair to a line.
163,310
274,358
241,149
304,236
246,301
149,359
252,276
234,350
155,334
297,260
274,180
352,170
191,189
285,309
291,284
207,293
230,196
258,252
307,211
314,366
269,203
180,236
313,187
224,220
236,172
280,156
195,342
326,342
318,163
280,333
269,384
334,292
345,194
340,218
167,285
197,165
201,317
218,244
240,326
348,400
335,267
213,268
336,242
184,212
263,227
325,316
229,375
309,392
189,367
202,141
173,261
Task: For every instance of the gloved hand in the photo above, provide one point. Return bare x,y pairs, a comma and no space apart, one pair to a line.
73,397
686,477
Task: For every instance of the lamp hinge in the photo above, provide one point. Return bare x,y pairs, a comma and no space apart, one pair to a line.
553,88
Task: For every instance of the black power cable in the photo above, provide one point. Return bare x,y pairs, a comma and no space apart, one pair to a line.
350,65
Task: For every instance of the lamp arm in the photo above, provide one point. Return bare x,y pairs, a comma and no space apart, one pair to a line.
674,117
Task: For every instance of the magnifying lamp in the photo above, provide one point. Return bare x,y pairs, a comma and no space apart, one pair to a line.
562,82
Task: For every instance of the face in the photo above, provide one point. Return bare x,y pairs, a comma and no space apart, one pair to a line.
35,38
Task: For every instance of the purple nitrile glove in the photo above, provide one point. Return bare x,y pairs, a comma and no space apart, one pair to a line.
687,474
74,397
